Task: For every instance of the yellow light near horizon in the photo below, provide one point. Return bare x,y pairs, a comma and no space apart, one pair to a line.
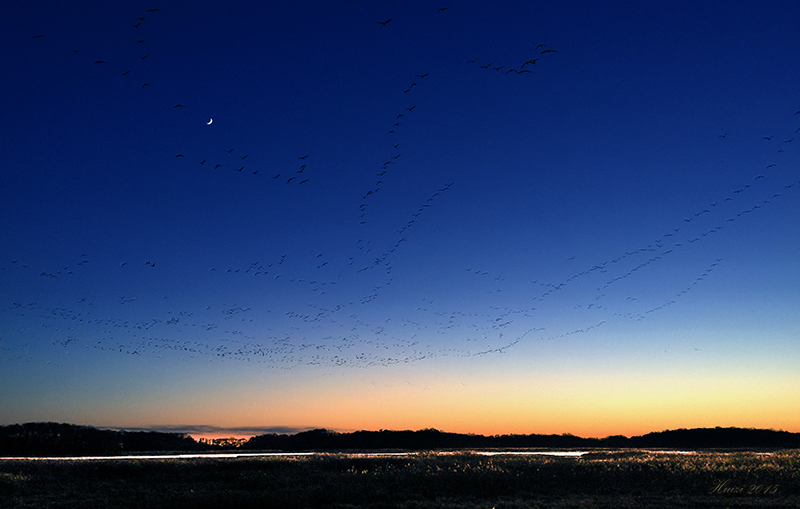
584,402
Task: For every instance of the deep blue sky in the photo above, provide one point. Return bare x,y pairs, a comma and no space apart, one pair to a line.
388,225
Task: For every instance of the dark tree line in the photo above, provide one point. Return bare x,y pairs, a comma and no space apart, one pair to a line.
702,438
57,439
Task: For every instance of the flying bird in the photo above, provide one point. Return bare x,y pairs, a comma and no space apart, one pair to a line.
145,85
125,73
384,22
442,9
37,36
179,106
549,51
100,62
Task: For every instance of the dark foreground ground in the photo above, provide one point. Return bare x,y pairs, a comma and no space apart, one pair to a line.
632,479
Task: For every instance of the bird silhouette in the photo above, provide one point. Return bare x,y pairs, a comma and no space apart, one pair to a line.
384,23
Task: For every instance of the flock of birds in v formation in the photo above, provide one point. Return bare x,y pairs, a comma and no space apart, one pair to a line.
383,344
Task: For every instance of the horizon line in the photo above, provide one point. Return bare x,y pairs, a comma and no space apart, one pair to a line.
205,430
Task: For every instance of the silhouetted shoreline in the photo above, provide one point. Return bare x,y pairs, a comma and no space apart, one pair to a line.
59,439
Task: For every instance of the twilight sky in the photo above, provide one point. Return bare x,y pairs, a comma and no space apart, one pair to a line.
531,217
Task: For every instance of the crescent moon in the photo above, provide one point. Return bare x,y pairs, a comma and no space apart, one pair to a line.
209,121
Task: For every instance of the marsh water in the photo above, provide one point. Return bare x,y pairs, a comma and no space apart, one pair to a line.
376,454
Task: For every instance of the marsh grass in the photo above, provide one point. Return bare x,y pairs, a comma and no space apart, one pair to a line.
426,480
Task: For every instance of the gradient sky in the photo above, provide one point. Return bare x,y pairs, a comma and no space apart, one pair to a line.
399,225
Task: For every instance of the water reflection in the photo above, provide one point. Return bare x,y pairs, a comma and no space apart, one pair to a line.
378,454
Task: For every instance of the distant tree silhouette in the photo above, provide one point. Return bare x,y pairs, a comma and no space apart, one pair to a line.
56,439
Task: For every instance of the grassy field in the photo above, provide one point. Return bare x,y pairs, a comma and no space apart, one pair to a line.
599,479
